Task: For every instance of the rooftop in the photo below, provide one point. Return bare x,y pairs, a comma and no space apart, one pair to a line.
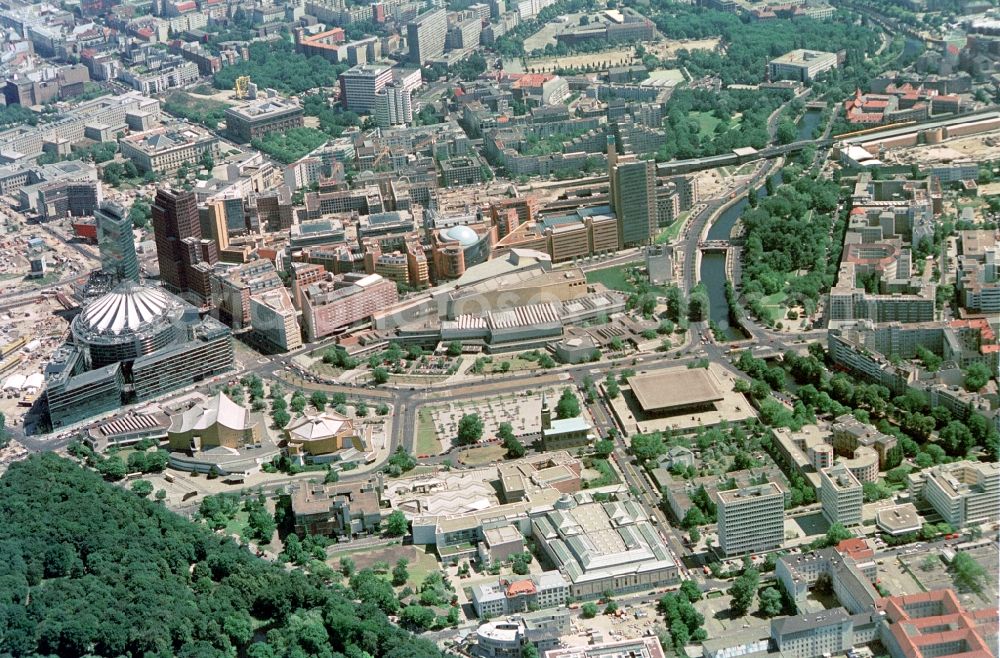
675,387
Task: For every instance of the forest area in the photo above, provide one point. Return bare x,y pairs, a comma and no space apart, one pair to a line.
790,244
749,45
90,569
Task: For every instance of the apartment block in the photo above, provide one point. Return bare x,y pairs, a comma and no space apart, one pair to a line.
426,34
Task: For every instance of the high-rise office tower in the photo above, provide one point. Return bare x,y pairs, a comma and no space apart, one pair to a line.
393,106
633,196
360,84
425,35
213,222
751,519
116,242
175,217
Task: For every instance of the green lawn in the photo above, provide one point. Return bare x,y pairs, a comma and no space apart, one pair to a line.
481,455
427,438
670,233
613,278
775,304
516,364
707,123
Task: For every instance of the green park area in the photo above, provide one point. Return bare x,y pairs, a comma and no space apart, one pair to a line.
613,278
427,438
670,233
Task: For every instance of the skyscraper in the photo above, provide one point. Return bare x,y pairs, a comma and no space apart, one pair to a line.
116,242
425,35
633,196
175,217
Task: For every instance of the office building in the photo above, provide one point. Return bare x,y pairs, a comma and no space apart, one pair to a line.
163,150
426,34
964,493
841,495
936,624
359,86
273,318
330,306
825,633
234,285
646,647
633,197
543,590
602,547
508,638
135,343
851,580
263,116
175,218
116,242
393,106
344,509
801,65
751,519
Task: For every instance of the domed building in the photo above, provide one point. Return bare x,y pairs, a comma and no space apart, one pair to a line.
134,343
126,323
459,247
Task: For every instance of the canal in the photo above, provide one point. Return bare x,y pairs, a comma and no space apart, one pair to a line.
807,124
713,265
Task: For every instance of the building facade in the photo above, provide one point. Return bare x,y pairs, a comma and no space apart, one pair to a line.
751,519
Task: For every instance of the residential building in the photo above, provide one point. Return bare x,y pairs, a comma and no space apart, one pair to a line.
426,34
964,493
801,65
751,519
360,84
393,105
115,242
841,495
263,116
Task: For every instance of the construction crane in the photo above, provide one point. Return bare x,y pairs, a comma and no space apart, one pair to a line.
242,86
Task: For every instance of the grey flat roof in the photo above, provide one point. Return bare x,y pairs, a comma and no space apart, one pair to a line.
675,387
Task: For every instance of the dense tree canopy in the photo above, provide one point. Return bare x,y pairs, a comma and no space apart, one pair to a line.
750,45
276,65
109,573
